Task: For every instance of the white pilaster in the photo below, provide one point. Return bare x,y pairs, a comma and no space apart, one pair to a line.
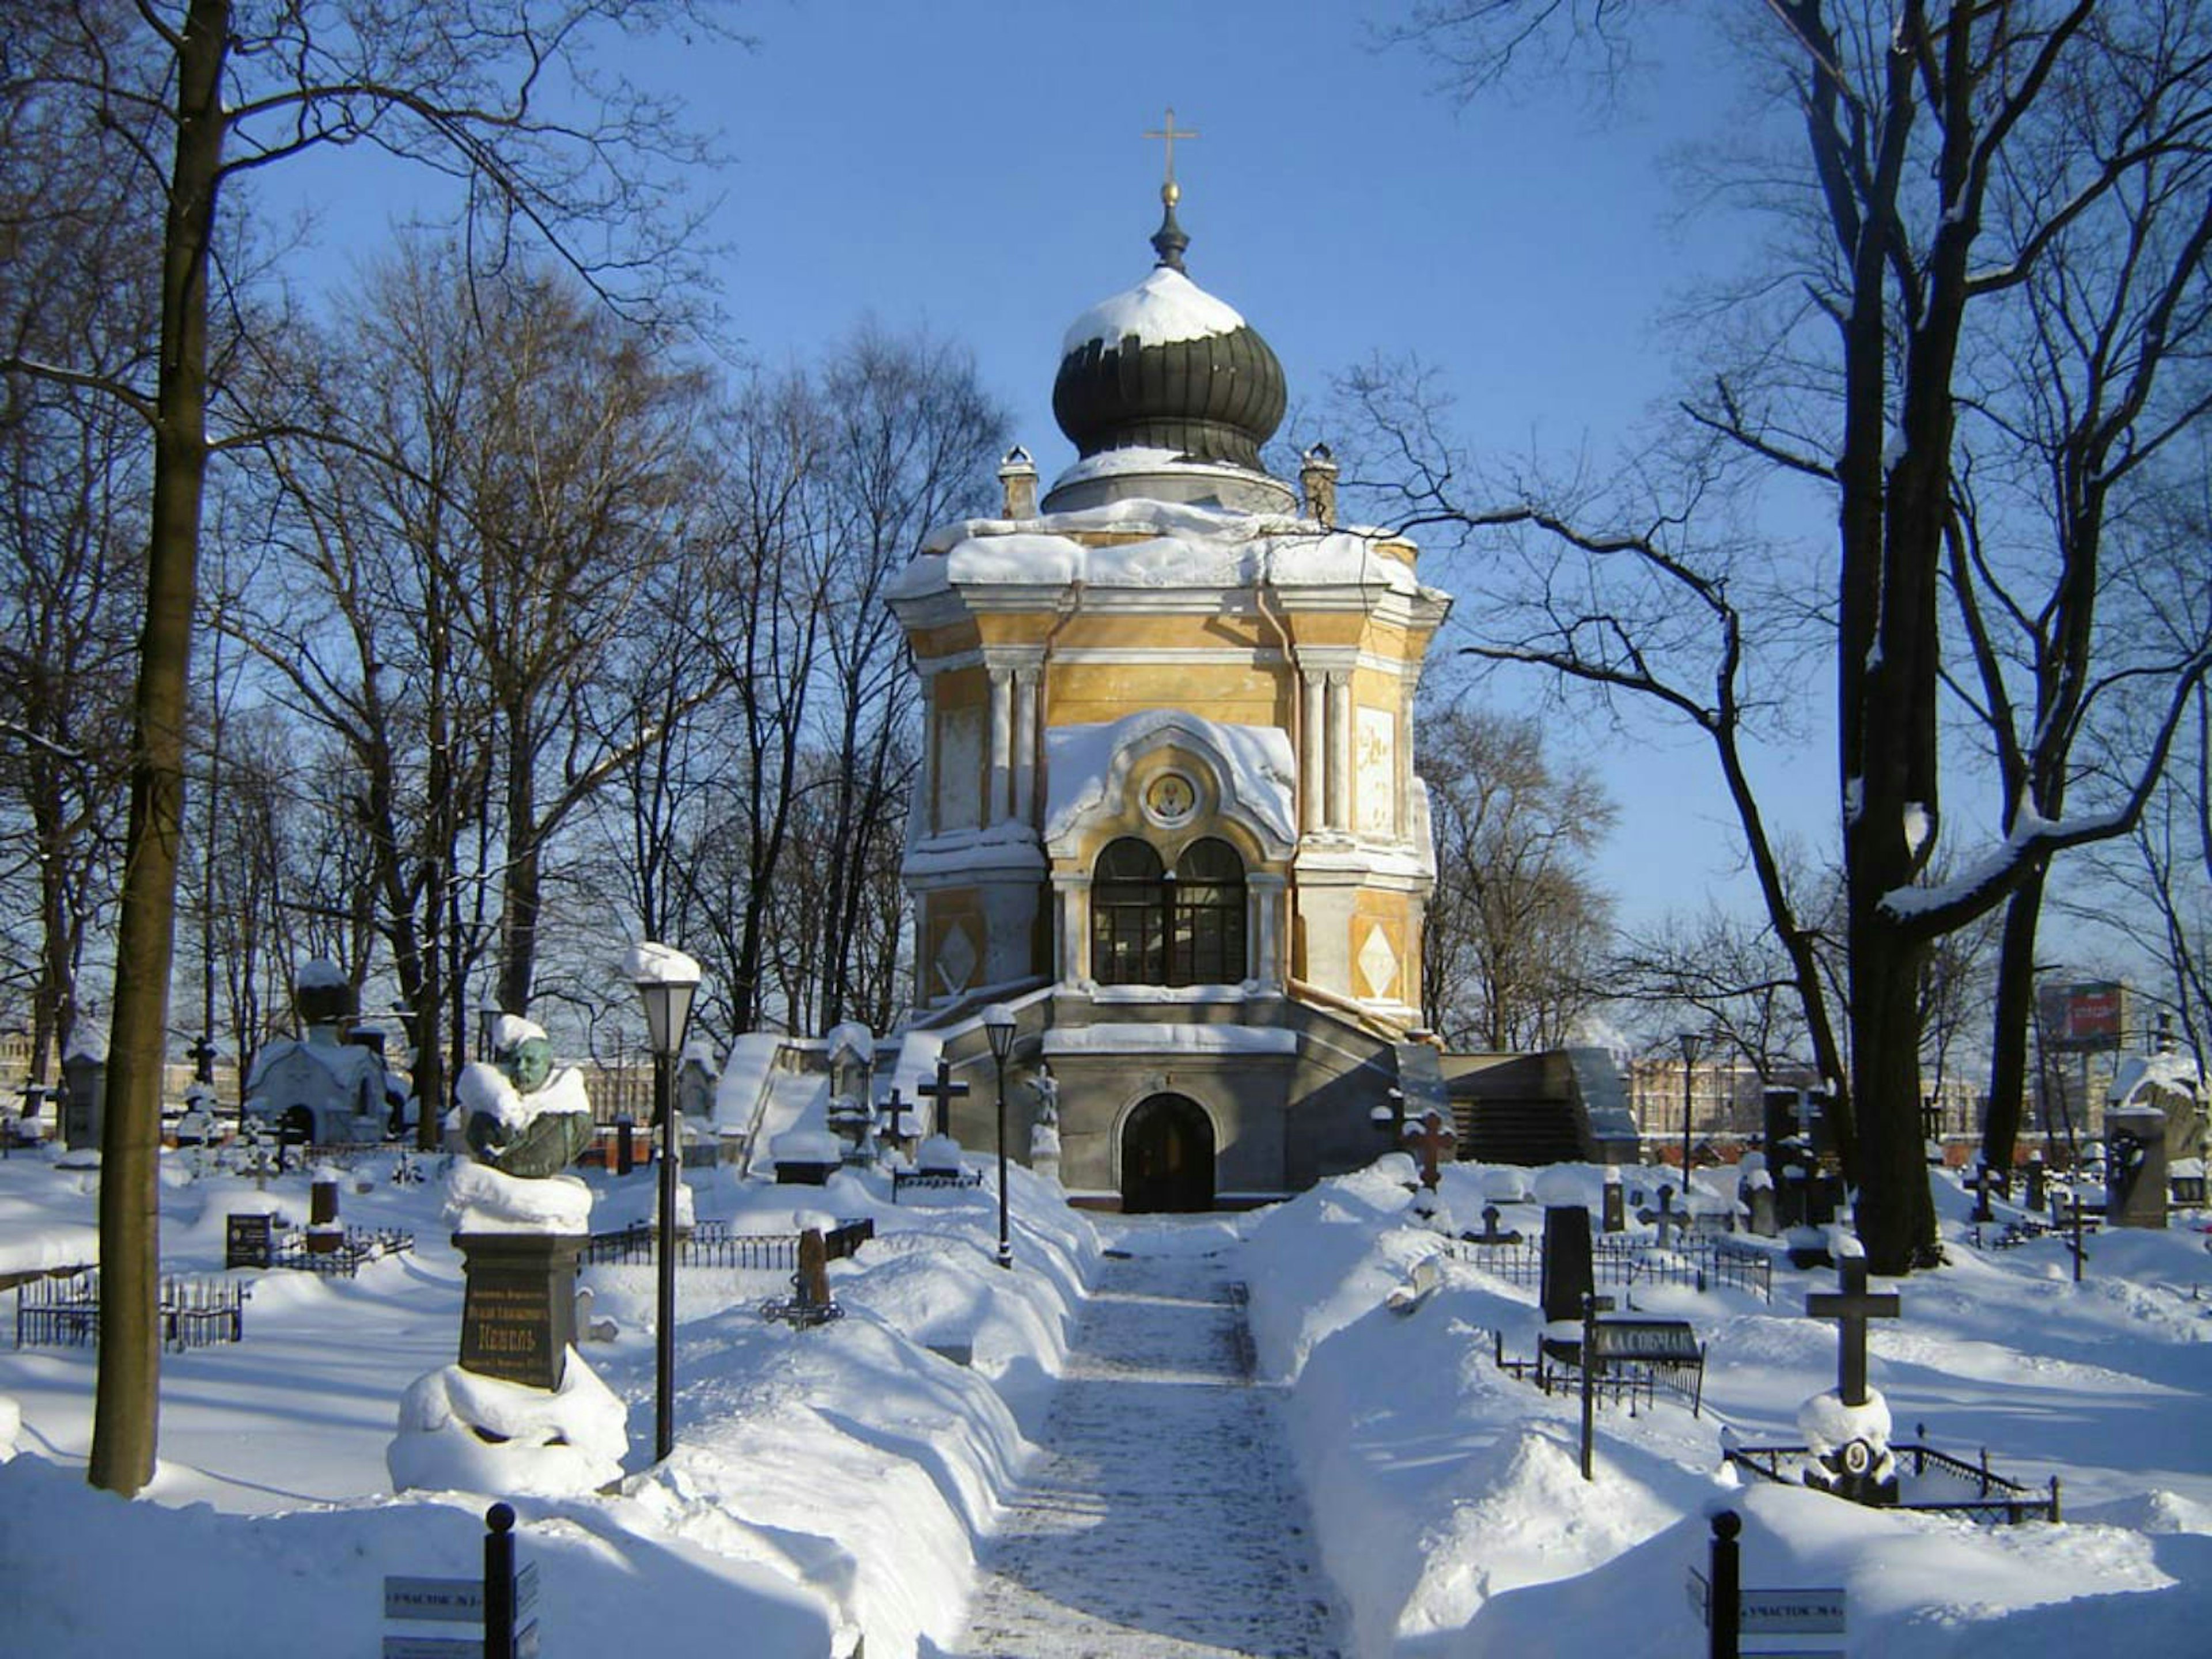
1339,750
1312,747
1025,741
929,754
1002,743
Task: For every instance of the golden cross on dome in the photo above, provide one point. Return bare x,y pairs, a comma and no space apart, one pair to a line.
1169,192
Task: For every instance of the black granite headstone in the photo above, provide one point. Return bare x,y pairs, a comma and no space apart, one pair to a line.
519,1314
1568,1274
249,1240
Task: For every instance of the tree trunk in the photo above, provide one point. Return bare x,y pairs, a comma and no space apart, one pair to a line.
126,1414
521,888
2015,1011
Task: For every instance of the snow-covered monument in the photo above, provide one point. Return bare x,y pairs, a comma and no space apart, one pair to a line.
1169,810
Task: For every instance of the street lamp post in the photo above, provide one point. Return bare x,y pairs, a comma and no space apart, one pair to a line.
998,1026
1690,1041
665,980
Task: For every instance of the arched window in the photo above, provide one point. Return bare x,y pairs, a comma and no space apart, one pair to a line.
1206,925
1129,915
1152,926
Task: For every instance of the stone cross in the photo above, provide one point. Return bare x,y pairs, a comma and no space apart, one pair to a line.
1850,1307
944,1090
1171,133
1431,1137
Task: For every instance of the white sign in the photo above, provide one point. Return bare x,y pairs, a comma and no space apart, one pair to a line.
448,1601
1792,1612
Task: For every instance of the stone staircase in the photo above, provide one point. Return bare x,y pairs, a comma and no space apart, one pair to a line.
1518,1130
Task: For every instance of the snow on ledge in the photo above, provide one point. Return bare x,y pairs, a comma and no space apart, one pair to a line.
1140,1038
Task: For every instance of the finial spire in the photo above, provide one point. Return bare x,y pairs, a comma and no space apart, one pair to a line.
1169,242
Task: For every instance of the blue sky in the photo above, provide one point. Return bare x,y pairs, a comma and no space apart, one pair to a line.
980,170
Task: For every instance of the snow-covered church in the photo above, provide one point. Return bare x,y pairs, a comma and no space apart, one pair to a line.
1169,811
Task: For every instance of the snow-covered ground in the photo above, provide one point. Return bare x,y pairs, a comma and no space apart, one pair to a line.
845,1482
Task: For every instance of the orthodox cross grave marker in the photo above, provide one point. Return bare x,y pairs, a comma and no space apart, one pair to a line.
943,1092
1432,1136
1850,1307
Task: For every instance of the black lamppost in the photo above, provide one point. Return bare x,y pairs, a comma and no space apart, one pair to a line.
998,1026
665,980
1690,1041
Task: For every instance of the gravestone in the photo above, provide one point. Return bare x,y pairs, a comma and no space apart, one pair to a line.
1491,1233
2135,1167
1859,1467
84,1099
2038,1192
1432,1136
1612,1211
1755,1187
941,1091
326,1232
1983,1185
518,1312
249,1240
1568,1272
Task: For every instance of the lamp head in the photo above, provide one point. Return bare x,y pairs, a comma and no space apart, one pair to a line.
998,1026
665,980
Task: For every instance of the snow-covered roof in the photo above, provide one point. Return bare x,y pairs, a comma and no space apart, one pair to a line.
346,1063
1166,306
1087,765
2137,1075
1170,544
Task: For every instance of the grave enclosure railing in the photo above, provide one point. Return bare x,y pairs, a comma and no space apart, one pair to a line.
713,1244
344,1259
1998,1502
1701,1263
64,1312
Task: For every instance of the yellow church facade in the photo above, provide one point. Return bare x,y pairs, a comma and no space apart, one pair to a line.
1169,808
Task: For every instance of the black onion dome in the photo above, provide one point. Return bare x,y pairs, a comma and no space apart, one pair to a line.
1166,366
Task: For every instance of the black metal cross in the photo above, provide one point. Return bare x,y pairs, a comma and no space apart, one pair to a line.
1850,1307
944,1091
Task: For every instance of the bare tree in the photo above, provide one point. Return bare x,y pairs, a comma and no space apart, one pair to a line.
912,440
199,95
1517,927
1938,163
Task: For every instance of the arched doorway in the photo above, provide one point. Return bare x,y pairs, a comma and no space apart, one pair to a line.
1167,1157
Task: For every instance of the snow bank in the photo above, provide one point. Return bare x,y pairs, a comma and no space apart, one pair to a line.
462,1433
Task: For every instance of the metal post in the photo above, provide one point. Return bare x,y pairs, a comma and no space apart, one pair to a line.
672,1156
1590,1369
1727,1584
499,1582
1005,1246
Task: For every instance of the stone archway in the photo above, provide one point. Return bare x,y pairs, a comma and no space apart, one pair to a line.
1167,1157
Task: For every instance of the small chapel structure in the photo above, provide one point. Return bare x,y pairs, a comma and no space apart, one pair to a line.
1170,809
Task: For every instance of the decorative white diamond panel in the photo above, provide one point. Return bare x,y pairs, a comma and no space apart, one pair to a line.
1378,962
956,957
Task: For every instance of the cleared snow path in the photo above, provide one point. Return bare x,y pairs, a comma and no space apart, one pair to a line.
1164,1518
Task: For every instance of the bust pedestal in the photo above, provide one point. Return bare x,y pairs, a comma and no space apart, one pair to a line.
519,1318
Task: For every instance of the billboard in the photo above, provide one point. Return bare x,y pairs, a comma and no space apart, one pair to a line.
2083,1018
